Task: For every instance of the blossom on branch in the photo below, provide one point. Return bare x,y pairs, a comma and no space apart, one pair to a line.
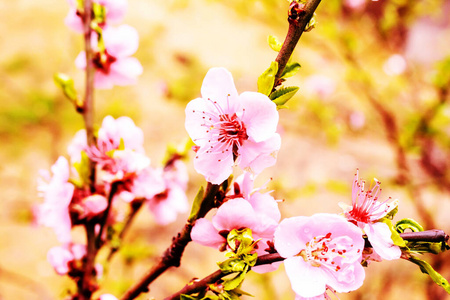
63,258
112,59
366,212
322,251
229,128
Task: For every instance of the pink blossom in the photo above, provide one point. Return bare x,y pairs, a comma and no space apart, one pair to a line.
113,131
259,212
62,257
114,66
57,193
366,211
115,11
229,128
172,201
321,251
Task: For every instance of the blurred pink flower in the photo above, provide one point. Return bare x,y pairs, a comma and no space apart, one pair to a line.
93,205
321,251
228,128
172,200
366,211
57,193
395,65
107,297
114,66
115,11
61,257
320,85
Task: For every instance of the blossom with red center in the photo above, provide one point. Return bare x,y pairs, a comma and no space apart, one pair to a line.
366,212
322,251
229,128
113,65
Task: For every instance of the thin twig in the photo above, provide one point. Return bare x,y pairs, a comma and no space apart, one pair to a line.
299,17
104,220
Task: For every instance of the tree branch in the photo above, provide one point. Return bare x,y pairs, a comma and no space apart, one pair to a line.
172,255
299,16
196,286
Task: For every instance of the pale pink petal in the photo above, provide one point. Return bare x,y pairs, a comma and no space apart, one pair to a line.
288,240
125,71
267,214
78,251
80,61
234,214
103,81
255,157
306,280
59,258
77,144
216,167
204,233
73,21
198,112
348,279
218,86
121,41
379,237
260,116
115,10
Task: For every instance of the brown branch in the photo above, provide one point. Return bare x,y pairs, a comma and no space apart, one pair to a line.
195,286
172,255
112,192
299,16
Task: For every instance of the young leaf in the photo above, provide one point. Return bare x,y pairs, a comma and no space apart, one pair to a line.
67,86
426,268
233,283
404,224
395,236
196,205
267,79
274,43
290,70
281,96
83,170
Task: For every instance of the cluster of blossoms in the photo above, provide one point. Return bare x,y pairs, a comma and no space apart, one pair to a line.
123,176
112,46
322,252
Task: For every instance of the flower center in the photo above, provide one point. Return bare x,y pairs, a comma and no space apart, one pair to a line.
232,132
102,61
365,204
321,251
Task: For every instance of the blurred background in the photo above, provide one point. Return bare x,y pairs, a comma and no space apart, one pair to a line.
374,95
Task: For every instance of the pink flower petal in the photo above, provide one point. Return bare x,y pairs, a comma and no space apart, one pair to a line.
306,280
216,167
260,115
234,214
121,41
218,86
125,71
379,237
206,234
255,157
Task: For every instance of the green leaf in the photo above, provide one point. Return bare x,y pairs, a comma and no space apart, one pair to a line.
187,297
83,169
274,43
426,268
65,82
283,95
196,205
233,283
407,223
395,236
290,70
267,79
99,12
232,265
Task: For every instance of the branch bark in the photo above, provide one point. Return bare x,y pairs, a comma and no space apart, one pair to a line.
299,17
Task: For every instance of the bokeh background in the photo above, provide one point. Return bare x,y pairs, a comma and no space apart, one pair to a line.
374,95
